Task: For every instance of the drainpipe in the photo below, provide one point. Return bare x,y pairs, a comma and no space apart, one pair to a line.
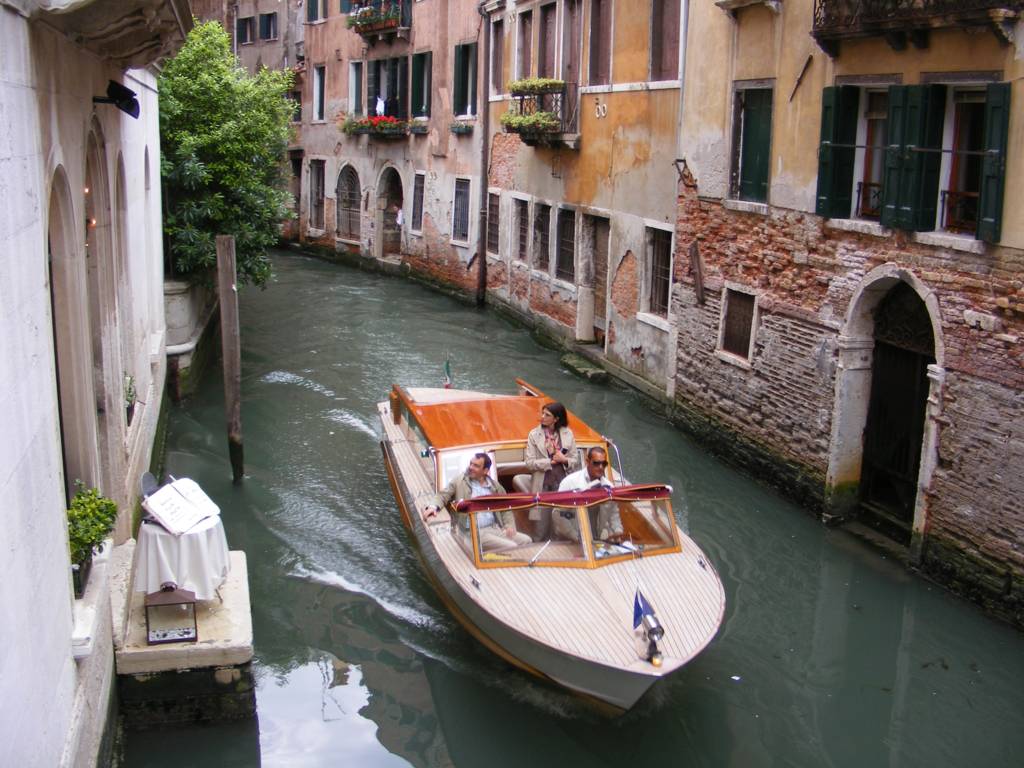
484,105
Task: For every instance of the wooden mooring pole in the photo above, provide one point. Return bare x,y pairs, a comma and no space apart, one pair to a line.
231,349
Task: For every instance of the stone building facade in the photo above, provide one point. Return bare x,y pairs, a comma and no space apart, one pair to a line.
83,327
409,194
848,275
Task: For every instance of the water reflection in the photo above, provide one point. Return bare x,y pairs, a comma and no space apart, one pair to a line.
829,654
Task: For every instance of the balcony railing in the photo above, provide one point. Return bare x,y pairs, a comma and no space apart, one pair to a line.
378,19
959,211
869,200
835,20
547,116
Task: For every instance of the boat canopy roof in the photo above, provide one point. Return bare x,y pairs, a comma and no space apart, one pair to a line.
452,418
511,501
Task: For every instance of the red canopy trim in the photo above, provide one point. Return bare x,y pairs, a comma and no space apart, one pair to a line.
512,501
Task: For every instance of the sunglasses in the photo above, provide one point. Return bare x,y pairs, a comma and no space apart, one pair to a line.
599,463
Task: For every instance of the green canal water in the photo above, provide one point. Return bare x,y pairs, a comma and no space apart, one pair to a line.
829,655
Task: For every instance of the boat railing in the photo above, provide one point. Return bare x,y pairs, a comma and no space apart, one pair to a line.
618,458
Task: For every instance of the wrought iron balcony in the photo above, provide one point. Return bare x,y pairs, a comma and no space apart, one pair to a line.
900,20
381,19
960,211
869,200
545,116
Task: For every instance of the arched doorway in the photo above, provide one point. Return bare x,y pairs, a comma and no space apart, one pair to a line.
888,406
894,431
101,291
69,319
348,196
389,207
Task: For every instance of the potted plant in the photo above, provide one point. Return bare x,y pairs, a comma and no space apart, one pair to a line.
533,86
91,518
461,127
419,127
130,397
530,123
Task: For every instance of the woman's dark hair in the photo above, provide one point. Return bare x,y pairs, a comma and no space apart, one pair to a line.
557,410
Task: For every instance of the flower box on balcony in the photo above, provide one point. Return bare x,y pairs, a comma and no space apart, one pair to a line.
460,128
419,128
530,124
382,126
533,86
375,26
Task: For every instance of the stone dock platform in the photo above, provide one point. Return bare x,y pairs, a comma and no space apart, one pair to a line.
205,681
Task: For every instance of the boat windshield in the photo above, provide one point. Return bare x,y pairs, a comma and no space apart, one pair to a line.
584,528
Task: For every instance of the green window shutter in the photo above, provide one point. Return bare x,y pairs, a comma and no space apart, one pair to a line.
471,78
372,89
428,81
403,88
755,144
417,84
894,157
993,168
346,6
910,184
459,97
927,165
835,163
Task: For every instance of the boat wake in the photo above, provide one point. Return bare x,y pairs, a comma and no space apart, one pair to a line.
404,613
349,419
286,377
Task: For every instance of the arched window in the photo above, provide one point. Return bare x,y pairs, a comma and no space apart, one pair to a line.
348,203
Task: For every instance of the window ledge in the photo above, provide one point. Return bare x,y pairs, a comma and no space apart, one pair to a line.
458,243
964,243
861,226
314,232
494,97
561,284
745,206
86,613
731,359
540,274
655,321
731,6
347,240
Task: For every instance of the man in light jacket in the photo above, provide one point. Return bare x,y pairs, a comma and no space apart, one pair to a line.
605,523
496,530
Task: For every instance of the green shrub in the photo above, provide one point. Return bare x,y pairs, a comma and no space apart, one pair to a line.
90,520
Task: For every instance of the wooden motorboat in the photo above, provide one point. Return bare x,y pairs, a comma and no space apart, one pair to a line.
604,618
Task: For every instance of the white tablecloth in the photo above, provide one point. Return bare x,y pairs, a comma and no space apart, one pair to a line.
197,560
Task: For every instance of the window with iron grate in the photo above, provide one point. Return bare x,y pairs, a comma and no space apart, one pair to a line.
493,222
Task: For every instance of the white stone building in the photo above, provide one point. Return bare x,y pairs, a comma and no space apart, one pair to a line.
81,318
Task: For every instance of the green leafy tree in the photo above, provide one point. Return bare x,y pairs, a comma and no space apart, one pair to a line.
223,134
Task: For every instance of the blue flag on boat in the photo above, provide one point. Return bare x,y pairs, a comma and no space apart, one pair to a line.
641,608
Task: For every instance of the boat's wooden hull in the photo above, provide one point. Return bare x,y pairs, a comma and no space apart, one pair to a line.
613,686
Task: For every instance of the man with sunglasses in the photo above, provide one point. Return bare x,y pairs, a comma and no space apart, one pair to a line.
605,522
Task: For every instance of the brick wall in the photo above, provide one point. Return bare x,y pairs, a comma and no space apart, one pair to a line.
775,415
